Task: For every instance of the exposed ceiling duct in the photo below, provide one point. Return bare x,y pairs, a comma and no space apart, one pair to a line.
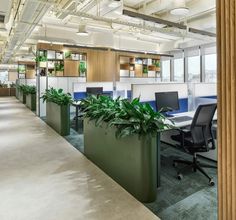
32,11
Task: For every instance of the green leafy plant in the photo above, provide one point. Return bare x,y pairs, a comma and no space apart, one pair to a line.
67,54
13,85
41,58
82,68
21,69
3,85
157,64
129,117
57,96
59,66
145,70
27,89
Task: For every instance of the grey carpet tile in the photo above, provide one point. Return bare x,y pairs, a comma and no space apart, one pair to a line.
189,199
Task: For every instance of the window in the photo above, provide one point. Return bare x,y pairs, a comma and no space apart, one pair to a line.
165,70
3,76
210,68
179,70
194,69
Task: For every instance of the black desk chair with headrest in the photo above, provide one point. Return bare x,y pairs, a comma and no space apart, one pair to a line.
197,138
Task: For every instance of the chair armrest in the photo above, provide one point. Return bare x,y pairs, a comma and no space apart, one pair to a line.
185,131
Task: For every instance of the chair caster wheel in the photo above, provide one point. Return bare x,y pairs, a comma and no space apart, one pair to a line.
175,164
211,182
180,176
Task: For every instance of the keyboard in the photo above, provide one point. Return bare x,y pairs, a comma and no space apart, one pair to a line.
181,119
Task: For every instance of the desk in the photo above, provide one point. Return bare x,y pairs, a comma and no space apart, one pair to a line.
187,123
165,136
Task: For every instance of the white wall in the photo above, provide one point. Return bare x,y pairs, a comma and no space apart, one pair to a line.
146,92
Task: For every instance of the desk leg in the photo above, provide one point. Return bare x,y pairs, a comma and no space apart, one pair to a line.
76,118
158,160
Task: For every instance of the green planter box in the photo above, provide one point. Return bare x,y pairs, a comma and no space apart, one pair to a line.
31,101
17,93
58,117
131,161
22,97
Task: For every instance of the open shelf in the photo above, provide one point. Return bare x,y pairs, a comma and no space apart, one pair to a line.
139,67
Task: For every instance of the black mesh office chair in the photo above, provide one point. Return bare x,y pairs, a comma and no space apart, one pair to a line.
197,138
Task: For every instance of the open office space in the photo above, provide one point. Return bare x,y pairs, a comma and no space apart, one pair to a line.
117,109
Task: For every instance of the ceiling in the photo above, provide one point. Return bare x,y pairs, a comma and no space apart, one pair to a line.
57,21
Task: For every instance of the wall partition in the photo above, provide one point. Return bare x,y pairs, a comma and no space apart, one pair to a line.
146,93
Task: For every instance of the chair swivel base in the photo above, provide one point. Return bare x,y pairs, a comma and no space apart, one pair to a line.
195,166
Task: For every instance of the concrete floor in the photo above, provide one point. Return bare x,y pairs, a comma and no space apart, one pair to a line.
42,177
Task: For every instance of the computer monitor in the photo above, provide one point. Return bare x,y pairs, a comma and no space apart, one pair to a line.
168,101
94,90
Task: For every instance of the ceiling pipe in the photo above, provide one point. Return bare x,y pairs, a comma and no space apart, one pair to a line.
23,30
173,32
167,23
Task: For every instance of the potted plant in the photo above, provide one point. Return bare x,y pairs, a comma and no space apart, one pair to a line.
58,110
67,54
30,92
121,136
145,70
82,69
59,67
41,59
22,93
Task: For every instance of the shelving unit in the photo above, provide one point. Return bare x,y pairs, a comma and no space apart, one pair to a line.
139,67
26,70
56,63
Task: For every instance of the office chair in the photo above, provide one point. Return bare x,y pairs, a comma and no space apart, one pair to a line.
196,139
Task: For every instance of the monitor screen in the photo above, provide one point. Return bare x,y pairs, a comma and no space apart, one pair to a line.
94,90
169,101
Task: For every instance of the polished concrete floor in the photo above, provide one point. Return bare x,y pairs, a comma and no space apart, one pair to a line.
42,177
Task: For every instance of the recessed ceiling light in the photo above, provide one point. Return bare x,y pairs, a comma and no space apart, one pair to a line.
180,11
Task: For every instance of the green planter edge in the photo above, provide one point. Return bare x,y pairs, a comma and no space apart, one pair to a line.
22,97
58,117
130,161
31,101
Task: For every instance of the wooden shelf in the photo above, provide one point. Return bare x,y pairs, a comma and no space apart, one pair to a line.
125,66
140,65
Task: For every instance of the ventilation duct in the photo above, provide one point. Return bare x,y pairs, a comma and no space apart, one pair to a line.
103,39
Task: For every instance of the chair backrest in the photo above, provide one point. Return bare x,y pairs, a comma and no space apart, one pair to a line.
203,117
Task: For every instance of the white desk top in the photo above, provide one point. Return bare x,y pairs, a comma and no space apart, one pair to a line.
187,123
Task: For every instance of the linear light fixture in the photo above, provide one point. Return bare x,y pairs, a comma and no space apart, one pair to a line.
167,23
